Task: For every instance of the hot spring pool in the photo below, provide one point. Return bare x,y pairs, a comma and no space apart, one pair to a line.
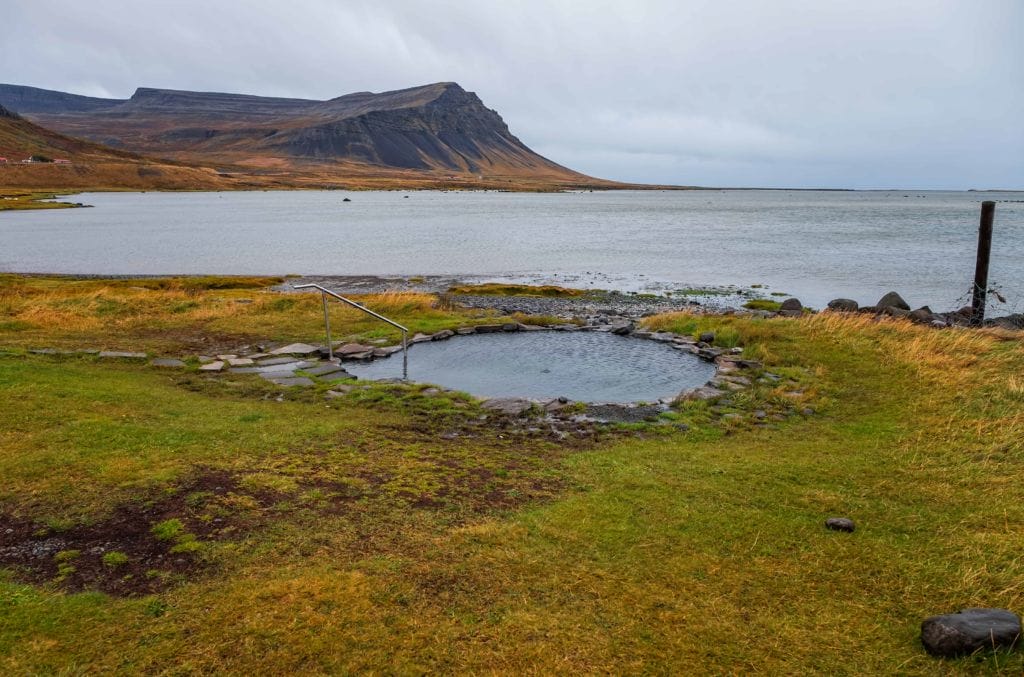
583,366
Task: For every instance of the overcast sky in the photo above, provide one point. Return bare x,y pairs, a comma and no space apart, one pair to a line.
801,93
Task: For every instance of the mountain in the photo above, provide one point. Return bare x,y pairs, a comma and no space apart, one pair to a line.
87,165
437,132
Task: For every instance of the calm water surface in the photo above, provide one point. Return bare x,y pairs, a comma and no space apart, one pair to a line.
584,366
817,245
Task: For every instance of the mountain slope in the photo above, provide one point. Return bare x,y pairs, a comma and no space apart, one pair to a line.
437,130
90,165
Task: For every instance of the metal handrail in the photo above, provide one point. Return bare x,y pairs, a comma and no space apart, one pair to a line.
324,293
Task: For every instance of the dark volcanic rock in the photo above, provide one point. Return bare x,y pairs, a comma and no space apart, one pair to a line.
792,304
892,300
843,305
840,523
970,630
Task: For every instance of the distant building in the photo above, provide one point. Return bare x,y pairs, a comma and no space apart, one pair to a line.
3,160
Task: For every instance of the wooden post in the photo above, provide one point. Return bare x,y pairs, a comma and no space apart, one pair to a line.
988,210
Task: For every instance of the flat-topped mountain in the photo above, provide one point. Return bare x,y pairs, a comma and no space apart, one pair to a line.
438,129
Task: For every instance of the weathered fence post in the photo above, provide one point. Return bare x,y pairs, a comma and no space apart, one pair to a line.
988,209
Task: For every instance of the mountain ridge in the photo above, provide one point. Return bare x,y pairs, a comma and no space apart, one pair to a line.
438,130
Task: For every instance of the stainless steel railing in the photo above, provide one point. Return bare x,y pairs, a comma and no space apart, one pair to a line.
324,293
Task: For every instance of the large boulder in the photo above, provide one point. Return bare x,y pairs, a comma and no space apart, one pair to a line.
791,304
969,630
510,406
843,305
892,300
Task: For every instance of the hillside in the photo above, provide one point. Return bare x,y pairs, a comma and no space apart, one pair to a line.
429,134
90,165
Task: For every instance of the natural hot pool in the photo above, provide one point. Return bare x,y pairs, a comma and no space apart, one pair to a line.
582,365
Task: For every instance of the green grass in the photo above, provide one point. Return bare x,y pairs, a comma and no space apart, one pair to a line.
376,540
17,200
763,304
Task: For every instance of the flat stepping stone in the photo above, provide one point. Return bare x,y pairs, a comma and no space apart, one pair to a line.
273,375
276,360
358,357
227,358
337,376
352,349
122,355
246,370
294,381
241,361
386,351
167,362
285,366
296,349
212,366
323,369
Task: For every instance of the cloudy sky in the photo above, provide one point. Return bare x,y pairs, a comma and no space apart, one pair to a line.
802,93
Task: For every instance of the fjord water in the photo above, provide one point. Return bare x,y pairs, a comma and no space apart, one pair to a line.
585,366
814,244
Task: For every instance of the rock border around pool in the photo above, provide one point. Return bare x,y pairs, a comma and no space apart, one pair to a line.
304,365
727,379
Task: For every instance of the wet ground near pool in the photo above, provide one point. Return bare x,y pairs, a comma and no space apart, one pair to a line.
584,366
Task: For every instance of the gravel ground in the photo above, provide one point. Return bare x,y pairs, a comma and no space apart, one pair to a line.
625,304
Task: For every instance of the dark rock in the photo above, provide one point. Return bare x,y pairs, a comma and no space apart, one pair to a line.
443,334
465,331
840,524
510,406
707,337
701,393
510,326
970,630
893,311
792,304
843,305
892,300
1015,321
923,315
622,329
488,328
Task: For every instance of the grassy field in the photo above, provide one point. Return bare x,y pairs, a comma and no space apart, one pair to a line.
209,525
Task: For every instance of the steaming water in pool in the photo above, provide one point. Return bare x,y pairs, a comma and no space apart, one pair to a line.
584,366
